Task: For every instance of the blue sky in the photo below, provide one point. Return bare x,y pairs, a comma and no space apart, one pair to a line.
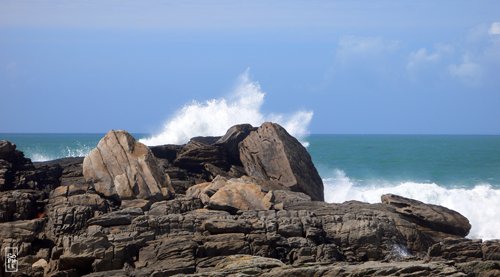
430,67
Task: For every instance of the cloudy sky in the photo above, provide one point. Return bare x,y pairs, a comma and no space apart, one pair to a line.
419,67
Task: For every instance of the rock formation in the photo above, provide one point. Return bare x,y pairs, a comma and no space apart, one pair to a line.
231,215
270,153
122,168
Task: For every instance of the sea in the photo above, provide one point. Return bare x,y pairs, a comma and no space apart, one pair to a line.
461,172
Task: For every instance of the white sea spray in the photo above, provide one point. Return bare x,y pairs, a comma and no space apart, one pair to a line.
480,203
215,116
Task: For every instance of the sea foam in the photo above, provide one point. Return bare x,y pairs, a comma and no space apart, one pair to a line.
37,155
478,203
214,117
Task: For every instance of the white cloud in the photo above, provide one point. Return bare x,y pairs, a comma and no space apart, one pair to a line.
421,56
494,28
468,71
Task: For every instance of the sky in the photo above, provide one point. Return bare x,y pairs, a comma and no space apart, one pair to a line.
361,67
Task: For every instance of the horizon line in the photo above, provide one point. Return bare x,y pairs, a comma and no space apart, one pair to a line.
361,134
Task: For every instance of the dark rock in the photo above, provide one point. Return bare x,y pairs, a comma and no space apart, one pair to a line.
16,171
431,216
231,140
71,170
491,250
70,207
167,152
196,153
20,205
225,245
480,268
179,205
169,256
411,268
21,230
227,225
465,250
110,219
205,140
270,153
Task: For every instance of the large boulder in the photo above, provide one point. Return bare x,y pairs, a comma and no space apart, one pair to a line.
434,217
270,153
123,168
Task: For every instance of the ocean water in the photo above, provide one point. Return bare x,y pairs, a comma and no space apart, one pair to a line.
44,147
458,172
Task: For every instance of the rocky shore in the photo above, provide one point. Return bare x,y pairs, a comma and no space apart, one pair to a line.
249,203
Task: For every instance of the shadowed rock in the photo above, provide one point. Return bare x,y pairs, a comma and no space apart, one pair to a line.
427,215
231,140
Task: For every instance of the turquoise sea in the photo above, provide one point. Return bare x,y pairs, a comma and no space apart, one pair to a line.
461,172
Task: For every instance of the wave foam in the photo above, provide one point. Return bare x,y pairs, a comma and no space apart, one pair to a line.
40,156
479,203
214,117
